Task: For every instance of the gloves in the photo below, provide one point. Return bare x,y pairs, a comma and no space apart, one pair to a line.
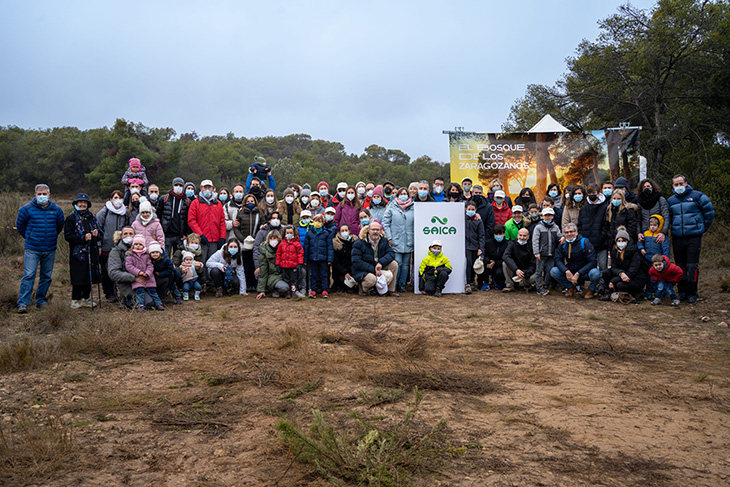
204,240
221,242
278,269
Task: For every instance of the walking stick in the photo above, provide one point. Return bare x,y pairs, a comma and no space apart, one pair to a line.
98,283
91,281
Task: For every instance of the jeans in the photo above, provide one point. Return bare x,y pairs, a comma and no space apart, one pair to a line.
194,285
542,275
404,267
152,292
665,288
318,280
594,275
31,260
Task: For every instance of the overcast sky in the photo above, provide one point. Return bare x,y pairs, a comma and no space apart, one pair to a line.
392,73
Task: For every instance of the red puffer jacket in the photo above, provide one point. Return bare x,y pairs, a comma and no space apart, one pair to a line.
289,254
670,273
501,215
208,220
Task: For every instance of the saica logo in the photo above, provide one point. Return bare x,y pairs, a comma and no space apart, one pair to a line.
443,230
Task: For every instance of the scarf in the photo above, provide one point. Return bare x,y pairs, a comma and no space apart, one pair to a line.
117,211
648,202
403,204
81,251
145,221
213,200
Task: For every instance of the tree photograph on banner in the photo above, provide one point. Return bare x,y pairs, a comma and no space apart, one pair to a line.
536,160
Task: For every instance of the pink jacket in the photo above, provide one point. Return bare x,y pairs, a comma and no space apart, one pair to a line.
152,231
140,262
346,213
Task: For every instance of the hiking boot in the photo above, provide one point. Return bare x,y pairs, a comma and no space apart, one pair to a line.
160,308
178,300
76,304
325,294
570,292
675,302
22,309
437,294
588,295
656,301
219,292
467,289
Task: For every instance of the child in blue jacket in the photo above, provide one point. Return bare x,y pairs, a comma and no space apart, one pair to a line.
318,254
649,247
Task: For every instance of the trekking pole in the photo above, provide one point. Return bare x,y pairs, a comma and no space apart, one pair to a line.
91,281
98,282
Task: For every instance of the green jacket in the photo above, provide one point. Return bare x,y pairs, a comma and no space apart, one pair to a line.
268,277
434,261
511,228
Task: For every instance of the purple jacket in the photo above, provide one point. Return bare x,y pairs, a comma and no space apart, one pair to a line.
140,262
346,213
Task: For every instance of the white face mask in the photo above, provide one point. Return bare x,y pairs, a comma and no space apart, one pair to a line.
305,199
329,217
296,193
177,190
269,199
361,190
289,200
370,193
134,190
345,235
274,222
117,203
315,203
273,242
621,245
350,196
194,246
341,194
154,196
289,236
128,240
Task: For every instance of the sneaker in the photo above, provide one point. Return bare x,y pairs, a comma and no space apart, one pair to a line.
312,295
437,294
299,294
325,294
543,292
485,287
112,299
197,295
692,299
141,309
498,287
22,309
275,294
86,303
467,289
219,292
178,300
588,295
42,305
160,308
76,304
675,302
185,296
508,289
657,301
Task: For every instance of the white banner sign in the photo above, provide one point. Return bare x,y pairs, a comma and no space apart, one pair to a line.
444,222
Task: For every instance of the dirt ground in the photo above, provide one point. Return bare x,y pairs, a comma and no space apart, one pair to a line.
535,391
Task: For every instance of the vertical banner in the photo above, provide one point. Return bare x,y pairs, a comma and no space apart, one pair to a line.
444,222
535,160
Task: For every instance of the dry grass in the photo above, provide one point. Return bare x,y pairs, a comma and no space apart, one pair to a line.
407,375
34,451
27,353
378,344
56,316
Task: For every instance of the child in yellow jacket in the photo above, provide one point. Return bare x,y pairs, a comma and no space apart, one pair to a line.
434,270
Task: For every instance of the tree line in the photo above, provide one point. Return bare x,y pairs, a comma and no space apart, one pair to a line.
94,160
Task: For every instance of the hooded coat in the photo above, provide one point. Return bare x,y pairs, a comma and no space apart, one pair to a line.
363,256
691,213
398,227
592,222
206,218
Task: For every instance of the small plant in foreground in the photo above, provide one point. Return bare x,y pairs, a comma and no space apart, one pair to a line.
382,455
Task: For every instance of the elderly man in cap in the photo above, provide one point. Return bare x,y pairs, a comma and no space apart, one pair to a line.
371,257
172,211
207,218
39,223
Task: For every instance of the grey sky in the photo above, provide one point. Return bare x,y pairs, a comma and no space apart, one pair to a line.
379,72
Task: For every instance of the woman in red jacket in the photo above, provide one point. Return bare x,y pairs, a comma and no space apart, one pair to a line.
502,211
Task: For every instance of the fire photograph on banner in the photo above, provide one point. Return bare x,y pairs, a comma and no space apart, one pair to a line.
443,222
537,159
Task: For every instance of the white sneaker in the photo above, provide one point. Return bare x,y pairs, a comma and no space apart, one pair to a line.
185,296
275,294
299,294
86,303
76,304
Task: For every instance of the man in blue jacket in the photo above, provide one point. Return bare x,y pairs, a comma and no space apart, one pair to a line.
575,261
39,223
691,214
370,257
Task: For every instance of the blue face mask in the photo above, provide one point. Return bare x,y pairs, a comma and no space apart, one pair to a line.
680,189
548,223
607,193
553,193
616,203
470,213
189,193
238,196
422,194
42,199
570,240
250,206
376,201
233,250
521,242
403,198
365,221
207,194
577,198
76,207
223,197
499,238
323,193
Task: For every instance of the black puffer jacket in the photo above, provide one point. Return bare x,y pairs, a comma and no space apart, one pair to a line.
630,262
626,218
592,224
520,257
173,213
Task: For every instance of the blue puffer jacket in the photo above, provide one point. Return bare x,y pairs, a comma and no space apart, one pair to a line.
363,257
318,246
398,227
691,213
580,256
40,226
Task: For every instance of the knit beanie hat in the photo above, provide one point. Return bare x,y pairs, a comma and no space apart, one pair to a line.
154,247
306,192
187,254
134,162
288,191
323,183
145,206
190,183
378,190
138,239
621,182
179,181
622,233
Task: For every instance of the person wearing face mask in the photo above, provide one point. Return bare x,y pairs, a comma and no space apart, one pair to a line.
572,205
592,223
545,240
153,195
494,186
274,223
372,257
547,202
434,270
360,187
226,269
515,223
268,204
231,209
651,202
484,210
207,219
691,213
348,211
397,223
525,198
575,262
318,254
134,186
388,188
117,268
628,272
377,204
147,224
607,189
532,218
623,184
289,209
474,242
422,194
340,195
493,254
329,220
315,205
246,226
270,280
502,211
82,232
261,170
190,191
39,222
342,259
172,210
438,193
133,209
553,192
620,213
566,196
466,184
323,189
255,188
518,262
224,196
305,197
454,194
112,218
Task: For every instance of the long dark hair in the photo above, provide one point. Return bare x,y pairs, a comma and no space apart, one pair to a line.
227,256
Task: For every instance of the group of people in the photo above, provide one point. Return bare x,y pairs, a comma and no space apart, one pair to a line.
146,247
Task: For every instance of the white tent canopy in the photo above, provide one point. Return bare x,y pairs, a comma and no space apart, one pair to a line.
547,124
